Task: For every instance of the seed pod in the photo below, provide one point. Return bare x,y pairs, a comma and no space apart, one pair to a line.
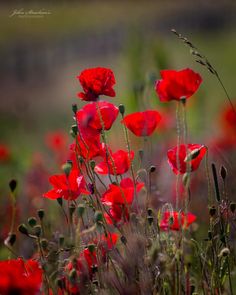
67,168
23,229
74,108
41,214
92,164
44,244
32,221
74,129
38,230
122,109
13,185
212,211
98,216
223,172
71,209
152,169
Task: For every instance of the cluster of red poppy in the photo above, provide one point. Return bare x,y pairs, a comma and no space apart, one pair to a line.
90,123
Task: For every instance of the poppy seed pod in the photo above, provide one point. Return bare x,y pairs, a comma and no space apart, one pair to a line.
41,214
32,221
13,185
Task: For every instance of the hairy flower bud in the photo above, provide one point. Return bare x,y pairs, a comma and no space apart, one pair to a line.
41,214
122,109
32,221
13,185
23,229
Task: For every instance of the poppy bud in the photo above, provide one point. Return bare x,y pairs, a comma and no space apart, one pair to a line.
223,172
92,164
10,240
37,230
232,207
212,211
13,185
44,244
224,252
23,229
32,221
41,214
98,216
60,201
209,235
72,275
94,268
74,129
74,108
192,155
80,210
71,209
152,169
67,168
123,240
61,240
150,220
91,248
122,109
150,211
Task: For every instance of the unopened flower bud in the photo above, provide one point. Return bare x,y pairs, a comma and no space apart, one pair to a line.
150,220
44,244
60,201
37,230
232,207
122,109
91,248
98,216
32,221
80,210
74,108
23,229
150,211
10,240
152,169
13,185
92,164
224,252
66,168
223,172
74,129
61,240
41,214
212,211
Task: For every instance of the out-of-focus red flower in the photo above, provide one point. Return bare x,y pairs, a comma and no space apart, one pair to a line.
186,161
228,120
56,141
95,82
4,153
142,123
116,164
20,277
176,220
67,187
90,117
176,85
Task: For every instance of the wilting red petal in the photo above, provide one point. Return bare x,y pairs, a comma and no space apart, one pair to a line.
176,220
119,164
142,123
90,116
95,82
176,85
186,161
69,188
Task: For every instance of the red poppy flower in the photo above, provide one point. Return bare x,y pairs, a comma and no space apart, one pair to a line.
187,161
121,194
142,123
117,214
4,153
176,220
176,85
95,82
119,164
67,187
90,117
20,277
